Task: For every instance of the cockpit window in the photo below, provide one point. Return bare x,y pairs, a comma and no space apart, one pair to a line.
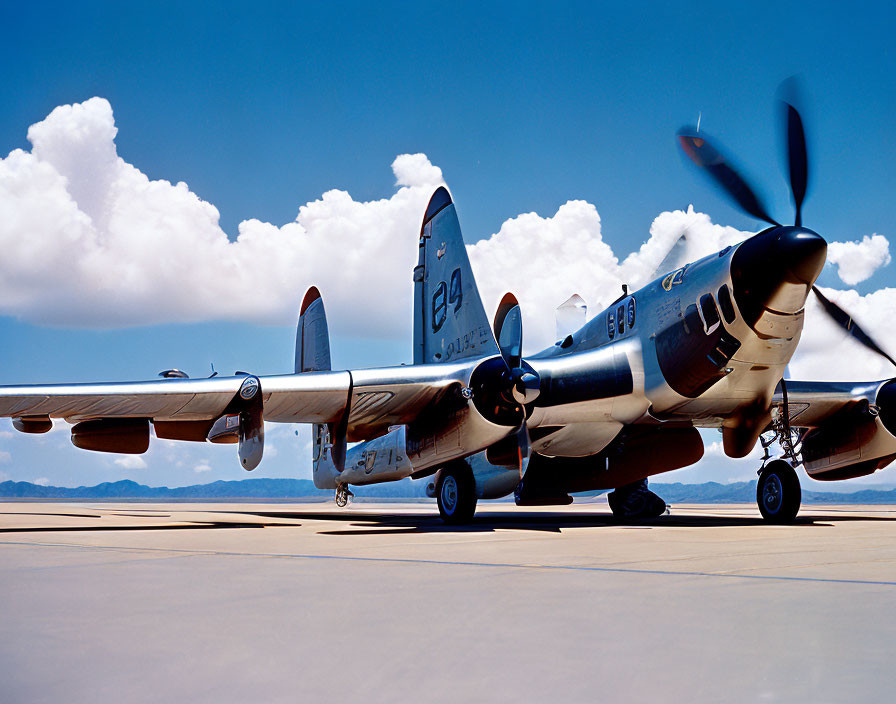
710,313
611,325
726,304
620,319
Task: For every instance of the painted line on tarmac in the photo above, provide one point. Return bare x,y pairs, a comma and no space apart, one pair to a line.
462,563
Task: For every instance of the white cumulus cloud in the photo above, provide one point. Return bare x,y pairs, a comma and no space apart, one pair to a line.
89,240
544,260
131,462
414,170
203,466
857,261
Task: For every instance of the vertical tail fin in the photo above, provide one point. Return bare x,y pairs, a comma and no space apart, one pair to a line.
313,355
449,319
312,335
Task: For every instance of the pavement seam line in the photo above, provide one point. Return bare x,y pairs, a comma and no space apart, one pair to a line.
461,563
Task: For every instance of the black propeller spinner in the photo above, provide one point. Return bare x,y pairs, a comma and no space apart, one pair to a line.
703,154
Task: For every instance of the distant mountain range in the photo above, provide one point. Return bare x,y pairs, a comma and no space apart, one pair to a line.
708,493
242,489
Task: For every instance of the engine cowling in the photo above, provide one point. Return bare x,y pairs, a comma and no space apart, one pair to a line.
382,459
854,442
33,424
635,454
128,436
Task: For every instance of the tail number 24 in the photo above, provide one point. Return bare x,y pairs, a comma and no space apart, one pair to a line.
444,296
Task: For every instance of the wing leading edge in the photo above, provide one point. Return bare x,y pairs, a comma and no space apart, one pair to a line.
375,398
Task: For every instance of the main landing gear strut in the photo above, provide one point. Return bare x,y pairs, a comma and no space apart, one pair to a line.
778,492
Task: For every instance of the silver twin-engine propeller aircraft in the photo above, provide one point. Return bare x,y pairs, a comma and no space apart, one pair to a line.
619,400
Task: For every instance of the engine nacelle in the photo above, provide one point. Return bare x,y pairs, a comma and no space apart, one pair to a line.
383,459
190,430
33,424
491,481
128,436
225,430
633,455
854,442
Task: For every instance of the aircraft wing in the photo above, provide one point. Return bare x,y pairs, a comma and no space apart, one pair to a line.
847,428
315,396
811,403
376,398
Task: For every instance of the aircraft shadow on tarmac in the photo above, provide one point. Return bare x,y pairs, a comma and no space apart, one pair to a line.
403,523
377,524
199,525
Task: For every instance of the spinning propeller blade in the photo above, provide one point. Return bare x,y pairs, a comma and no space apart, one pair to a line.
524,383
707,157
797,153
845,321
509,330
797,161
702,153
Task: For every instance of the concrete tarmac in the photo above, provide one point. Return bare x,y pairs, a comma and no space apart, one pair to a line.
138,602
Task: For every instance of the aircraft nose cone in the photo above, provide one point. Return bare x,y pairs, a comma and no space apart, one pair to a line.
775,269
803,251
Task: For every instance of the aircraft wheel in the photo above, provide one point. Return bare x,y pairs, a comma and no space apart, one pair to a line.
455,493
635,500
343,496
778,492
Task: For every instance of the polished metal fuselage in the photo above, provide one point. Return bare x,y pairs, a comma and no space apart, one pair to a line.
749,376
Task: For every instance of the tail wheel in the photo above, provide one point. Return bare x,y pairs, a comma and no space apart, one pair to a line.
456,494
343,496
778,492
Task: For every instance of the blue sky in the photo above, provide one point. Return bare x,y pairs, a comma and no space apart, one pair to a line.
523,107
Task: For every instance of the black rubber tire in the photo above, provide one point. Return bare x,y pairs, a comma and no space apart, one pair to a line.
456,494
778,493
651,506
